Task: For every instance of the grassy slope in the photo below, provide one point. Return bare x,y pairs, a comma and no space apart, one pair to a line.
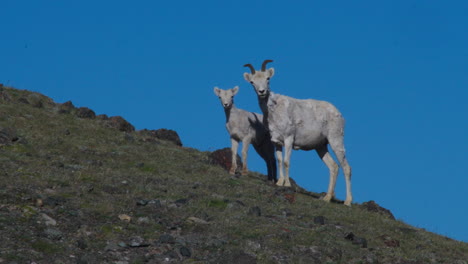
84,174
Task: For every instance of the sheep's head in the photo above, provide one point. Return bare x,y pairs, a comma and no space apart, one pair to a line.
260,80
226,96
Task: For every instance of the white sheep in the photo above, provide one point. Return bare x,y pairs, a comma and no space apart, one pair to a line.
246,127
301,124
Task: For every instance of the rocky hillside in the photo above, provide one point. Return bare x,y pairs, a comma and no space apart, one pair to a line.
76,187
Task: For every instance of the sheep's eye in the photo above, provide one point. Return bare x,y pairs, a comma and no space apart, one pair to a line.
251,82
268,78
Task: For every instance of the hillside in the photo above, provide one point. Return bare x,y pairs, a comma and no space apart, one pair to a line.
81,188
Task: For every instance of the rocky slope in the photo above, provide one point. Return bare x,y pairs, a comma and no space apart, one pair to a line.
76,187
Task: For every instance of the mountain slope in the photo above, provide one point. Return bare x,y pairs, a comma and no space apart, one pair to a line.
80,188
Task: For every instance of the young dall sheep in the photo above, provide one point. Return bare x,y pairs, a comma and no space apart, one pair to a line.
246,127
301,124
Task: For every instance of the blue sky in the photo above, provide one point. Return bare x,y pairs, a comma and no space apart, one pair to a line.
397,70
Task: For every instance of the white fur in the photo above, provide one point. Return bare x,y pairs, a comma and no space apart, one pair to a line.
246,127
302,124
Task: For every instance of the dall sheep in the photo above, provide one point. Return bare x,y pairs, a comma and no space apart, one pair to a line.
246,127
301,124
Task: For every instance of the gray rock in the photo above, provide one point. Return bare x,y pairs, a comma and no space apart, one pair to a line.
255,211
185,252
53,233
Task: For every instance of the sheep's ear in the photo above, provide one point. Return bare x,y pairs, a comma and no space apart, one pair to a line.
216,91
235,90
247,76
271,71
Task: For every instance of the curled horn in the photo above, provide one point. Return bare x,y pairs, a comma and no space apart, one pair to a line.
252,69
265,63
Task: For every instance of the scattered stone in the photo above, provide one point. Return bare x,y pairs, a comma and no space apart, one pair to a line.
181,202
53,233
125,218
112,246
143,220
185,252
122,244
390,242
138,242
320,220
85,112
142,202
254,211
81,243
372,206
223,158
121,124
48,221
356,240
166,239
196,220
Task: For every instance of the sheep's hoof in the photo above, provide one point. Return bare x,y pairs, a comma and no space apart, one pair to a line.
347,203
232,171
280,182
327,198
287,183
244,172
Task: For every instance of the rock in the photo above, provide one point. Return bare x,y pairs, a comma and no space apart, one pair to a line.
7,136
142,202
84,112
254,211
121,124
143,220
53,233
138,242
48,221
356,240
185,252
223,158
36,100
161,134
196,220
81,243
372,206
320,220
181,202
111,247
103,117
390,242
166,239
66,107
125,218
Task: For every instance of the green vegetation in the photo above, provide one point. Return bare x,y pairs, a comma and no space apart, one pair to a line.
116,196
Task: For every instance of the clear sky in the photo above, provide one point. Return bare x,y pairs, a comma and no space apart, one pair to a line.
397,70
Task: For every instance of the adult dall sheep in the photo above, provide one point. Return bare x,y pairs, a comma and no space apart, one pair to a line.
301,124
246,127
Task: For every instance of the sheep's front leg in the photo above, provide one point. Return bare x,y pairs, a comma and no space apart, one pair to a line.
245,149
279,157
234,146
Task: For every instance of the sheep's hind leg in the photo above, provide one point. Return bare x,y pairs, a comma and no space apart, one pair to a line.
288,142
324,154
338,148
